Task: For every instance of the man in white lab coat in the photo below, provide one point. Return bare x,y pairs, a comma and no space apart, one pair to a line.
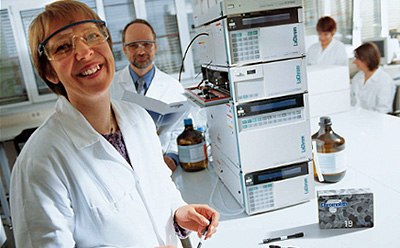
140,48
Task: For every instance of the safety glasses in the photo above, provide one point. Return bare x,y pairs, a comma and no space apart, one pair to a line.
146,44
61,43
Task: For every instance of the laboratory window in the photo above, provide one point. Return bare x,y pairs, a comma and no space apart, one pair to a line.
340,10
26,17
12,89
118,14
311,16
371,20
394,18
162,15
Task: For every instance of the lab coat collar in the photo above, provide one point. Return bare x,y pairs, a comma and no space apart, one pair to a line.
148,77
376,76
158,89
330,45
76,126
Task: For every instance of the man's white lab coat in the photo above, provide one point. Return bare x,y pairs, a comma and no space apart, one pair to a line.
71,188
163,88
333,54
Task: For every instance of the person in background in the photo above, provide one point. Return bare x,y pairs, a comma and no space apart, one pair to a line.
93,175
371,88
140,48
328,51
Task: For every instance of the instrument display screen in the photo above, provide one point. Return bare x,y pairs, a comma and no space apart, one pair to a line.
270,105
261,19
274,105
276,174
266,19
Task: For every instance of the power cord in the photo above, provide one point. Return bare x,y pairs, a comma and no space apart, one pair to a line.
186,51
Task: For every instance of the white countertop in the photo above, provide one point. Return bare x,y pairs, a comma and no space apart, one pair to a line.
373,155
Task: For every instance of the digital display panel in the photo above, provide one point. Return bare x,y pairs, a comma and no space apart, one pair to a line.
277,174
291,172
269,176
266,19
273,105
281,174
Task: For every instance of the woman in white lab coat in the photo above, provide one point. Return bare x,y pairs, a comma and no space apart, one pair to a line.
371,88
328,51
93,175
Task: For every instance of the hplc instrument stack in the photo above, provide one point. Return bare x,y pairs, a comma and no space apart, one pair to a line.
254,88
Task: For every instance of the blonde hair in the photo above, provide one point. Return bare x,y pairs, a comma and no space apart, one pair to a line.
60,11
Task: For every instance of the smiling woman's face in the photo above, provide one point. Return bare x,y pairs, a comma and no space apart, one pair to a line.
87,71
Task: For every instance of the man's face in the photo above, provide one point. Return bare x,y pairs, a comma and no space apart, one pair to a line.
139,46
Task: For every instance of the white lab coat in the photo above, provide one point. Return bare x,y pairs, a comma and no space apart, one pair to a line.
333,54
377,94
164,88
71,188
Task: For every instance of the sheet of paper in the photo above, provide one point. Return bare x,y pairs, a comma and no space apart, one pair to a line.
163,114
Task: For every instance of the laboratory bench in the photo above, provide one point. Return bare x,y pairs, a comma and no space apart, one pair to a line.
373,161
372,147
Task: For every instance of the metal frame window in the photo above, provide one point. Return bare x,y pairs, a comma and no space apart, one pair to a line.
12,88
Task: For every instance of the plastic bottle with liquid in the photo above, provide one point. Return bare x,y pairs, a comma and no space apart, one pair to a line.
200,121
192,149
330,152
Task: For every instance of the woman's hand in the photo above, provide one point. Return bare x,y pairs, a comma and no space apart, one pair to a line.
197,217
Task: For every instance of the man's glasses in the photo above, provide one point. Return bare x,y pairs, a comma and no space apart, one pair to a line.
58,45
146,44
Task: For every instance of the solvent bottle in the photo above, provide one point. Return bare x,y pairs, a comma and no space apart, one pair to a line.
330,153
192,149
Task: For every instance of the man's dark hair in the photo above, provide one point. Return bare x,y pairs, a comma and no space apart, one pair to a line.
138,21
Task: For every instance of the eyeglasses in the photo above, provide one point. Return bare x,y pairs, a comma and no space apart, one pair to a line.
146,44
58,46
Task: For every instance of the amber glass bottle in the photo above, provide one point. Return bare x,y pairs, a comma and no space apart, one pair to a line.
192,148
330,151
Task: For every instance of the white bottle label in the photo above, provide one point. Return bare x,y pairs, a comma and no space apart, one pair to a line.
332,163
192,153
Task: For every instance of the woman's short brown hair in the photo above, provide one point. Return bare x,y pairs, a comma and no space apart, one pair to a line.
59,11
369,54
326,24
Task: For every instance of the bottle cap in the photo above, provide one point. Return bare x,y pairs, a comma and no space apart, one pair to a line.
187,122
325,120
201,129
